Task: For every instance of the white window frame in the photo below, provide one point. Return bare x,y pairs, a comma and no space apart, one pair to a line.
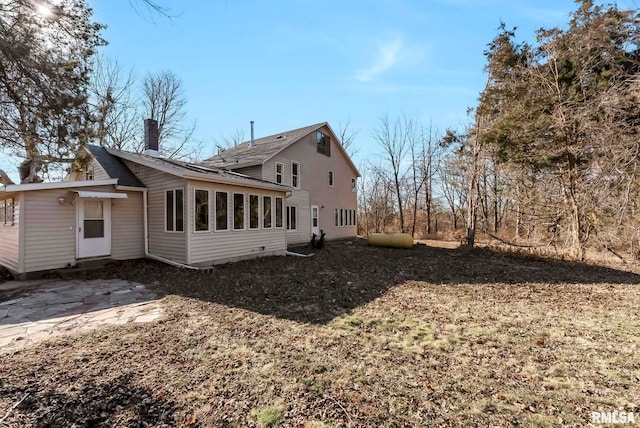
291,208
354,184
332,179
297,176
280,174
271,213
244,211
215,211
258,213
284,213
208,229
175,210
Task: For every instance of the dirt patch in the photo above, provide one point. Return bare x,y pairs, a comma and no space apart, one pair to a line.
353,336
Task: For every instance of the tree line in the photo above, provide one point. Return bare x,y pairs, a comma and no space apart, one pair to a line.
550,158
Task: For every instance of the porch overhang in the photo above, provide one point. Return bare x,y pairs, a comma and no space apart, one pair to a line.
102,195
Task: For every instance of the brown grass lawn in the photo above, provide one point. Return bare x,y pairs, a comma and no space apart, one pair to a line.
354,336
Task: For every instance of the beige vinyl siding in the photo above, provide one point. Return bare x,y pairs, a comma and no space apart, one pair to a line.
98,172
251,171
49,230
170,245
127,227
211,247
314,178
300,200
10,237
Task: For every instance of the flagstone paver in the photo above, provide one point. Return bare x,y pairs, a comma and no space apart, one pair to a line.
65,307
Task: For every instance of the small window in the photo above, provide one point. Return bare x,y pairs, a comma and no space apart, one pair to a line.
3,213
89,174
323,143
174,210
266,212
291,218
254,211
238,211
330,178
355,218
222,217
295,174
279,172
353,184
9,212
279,203
201,210
341,217
337,218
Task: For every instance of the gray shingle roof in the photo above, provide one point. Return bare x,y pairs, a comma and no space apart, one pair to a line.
114,167
263,149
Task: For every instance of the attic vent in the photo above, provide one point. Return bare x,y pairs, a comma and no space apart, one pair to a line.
280,137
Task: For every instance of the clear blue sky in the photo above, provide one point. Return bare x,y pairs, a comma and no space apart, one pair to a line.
291,63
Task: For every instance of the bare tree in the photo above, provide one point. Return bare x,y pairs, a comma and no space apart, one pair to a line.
164,100
347,137
115,110
393,139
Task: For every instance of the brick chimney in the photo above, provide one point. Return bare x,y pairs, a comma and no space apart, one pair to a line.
151,138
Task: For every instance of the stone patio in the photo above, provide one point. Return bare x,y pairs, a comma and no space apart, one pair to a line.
59,308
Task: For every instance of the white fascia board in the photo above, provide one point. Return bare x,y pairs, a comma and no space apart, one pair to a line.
57,185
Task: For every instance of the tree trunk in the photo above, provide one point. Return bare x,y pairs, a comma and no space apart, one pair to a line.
576,218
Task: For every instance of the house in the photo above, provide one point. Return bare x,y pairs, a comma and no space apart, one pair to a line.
310,160
246,202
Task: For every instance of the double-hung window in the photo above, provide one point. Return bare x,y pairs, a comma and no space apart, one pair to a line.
295,174
279,172
174,210
291,218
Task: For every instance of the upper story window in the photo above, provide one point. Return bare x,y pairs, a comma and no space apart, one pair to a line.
353,184
323,143
174,210
295,174
279,172
330,178
89,174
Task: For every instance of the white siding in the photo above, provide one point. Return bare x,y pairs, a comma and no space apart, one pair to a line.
300,200
98,172
10,237
49,230
170,245
127,227
314,178
210,247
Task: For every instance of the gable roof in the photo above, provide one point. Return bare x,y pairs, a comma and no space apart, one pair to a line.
195,171
265,148
114,167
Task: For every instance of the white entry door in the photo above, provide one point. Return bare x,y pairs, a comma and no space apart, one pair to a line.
94,227
315,221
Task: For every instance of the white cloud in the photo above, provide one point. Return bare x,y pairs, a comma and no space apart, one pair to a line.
386,57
